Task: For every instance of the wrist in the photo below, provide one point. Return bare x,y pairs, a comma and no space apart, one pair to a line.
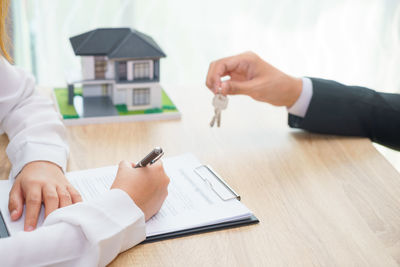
294,88
41,164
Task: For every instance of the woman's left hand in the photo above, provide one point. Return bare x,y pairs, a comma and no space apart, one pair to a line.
40,181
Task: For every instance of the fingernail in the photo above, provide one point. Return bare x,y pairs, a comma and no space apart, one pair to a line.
29,229
14,214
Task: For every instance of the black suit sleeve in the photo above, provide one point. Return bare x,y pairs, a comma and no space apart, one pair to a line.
353,111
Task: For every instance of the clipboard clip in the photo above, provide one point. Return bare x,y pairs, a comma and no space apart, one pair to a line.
216,183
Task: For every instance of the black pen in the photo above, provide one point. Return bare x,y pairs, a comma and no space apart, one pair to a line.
152,157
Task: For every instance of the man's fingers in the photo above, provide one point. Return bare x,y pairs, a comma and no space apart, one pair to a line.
33,205
219,69
226,66
64,197
50,197
75,196
236,88
209,80
16,201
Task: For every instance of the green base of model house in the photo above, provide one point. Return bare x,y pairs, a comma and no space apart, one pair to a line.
69,112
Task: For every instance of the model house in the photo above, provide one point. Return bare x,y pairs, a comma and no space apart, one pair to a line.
120,66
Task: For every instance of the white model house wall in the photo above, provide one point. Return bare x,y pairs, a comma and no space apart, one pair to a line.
92,90
119,95
110,72
87,67
88,72
98,89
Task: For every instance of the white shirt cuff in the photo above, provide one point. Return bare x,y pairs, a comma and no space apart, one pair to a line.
33,151
112,222
301,106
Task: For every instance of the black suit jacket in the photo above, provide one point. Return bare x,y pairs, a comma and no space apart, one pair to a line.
352,110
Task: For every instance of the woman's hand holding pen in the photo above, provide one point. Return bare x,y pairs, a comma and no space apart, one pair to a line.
146,186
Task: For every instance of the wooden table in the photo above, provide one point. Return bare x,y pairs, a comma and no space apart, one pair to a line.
321,200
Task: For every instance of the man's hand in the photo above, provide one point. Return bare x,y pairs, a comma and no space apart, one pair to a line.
252,76
40,181
147,186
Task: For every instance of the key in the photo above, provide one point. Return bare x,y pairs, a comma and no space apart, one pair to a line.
220,102
217,117
214,118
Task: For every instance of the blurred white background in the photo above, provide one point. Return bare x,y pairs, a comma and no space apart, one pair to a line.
354,42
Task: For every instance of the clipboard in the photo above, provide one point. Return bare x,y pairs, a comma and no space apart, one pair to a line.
207,186
224,191
216,183
203,229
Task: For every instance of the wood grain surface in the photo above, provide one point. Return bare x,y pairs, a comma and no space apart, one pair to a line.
321,200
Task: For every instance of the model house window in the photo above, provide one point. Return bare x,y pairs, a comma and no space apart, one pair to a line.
122,71
141,70
100,67
141,97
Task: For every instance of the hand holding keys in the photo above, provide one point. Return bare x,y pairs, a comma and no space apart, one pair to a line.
220,102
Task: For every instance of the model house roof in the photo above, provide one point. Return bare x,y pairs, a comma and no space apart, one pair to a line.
116,43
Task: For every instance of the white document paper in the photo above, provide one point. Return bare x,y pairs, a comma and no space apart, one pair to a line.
190,203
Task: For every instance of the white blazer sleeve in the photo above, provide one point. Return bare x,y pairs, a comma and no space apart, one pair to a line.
30,121
91,233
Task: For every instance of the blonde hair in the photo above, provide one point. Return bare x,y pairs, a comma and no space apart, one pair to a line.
4,39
